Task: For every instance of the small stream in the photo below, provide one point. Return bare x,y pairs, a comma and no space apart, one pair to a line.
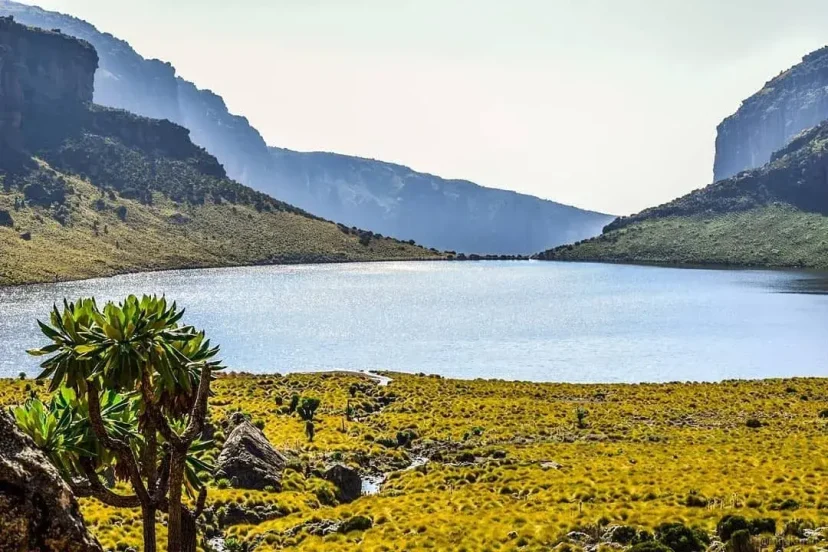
372,484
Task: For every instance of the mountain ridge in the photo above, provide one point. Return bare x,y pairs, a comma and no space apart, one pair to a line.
89,190
484,223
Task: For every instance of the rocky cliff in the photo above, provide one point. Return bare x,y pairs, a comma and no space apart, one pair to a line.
41,73
386,198
776,215
37,510
793,101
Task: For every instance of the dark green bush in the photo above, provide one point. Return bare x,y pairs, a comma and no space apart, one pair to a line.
740,542
649,546
356,523
759,526
729,525
680,538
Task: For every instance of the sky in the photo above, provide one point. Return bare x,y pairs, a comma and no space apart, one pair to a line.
610,105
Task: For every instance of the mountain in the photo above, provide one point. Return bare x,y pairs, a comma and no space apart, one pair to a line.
776,215
448,214
391,199
87,190
793,101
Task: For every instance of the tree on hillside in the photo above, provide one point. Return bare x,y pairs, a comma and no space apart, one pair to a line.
130,390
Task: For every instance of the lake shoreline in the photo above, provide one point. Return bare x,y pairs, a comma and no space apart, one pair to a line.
466,259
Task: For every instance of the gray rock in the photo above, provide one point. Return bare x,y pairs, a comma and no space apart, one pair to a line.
347,480
39,511
248,460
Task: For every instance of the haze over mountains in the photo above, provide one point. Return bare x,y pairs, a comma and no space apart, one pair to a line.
385,198
88,191
773,215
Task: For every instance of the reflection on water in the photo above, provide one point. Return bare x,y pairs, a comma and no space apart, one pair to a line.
810,283
510,320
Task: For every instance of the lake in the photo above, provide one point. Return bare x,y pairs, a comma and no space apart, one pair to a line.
511,320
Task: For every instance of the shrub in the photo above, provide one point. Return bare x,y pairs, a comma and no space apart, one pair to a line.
740,542
222,483
753,423
6,219
121,211
581,415
797,527
759,526
824,414
649,546
787,504
294,402
356,523
680,538
622,534
695,500
729,525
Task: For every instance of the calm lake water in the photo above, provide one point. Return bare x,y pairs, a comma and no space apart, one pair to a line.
510,320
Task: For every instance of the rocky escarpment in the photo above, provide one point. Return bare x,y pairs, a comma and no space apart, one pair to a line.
38,512
793,101
448,214
389,199
42,73
776,215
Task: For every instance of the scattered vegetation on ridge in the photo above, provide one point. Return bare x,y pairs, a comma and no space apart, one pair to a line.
774,236
59,226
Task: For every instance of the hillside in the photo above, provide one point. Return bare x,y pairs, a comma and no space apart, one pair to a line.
773,216
791,102
386,198
92,191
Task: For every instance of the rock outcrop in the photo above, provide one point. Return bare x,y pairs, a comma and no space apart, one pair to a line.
38,512
41,73
793,101
347,480
248,460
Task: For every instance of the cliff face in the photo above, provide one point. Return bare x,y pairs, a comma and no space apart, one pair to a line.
793,101
447,214
41,72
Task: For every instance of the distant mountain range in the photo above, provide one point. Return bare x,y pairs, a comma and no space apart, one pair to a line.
388,199
87,190
774,215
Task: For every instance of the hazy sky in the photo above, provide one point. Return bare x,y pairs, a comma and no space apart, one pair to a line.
605,104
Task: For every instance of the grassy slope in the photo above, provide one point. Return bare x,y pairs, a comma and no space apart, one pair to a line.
774,216
215,235
774,236
645,449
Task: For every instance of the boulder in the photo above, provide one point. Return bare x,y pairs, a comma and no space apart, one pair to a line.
248,460
39,511
347,480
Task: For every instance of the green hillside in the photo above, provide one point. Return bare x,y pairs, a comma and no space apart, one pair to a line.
774,216
105,234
